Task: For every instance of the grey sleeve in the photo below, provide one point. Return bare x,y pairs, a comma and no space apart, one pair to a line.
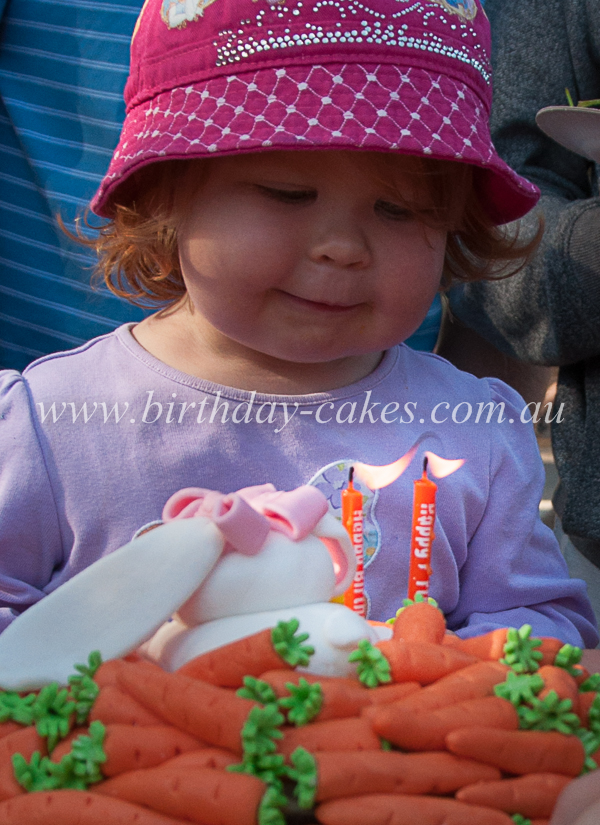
550,312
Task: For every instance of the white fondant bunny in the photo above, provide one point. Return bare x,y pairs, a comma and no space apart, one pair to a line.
226,566
294,575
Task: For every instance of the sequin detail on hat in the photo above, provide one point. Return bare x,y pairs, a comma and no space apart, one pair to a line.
357,23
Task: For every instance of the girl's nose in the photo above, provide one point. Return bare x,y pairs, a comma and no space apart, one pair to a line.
341,243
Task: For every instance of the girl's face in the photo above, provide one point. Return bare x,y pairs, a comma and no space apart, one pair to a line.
307,257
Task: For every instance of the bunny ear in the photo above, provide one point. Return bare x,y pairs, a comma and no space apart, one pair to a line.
112,606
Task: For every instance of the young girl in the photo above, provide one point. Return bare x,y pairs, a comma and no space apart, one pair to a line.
295,181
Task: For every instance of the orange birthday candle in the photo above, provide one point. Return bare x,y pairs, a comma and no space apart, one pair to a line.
422,535
352,519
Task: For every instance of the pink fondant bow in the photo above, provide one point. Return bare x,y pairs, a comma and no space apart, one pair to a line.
246,517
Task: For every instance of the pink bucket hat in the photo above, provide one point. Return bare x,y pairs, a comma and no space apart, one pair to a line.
218,77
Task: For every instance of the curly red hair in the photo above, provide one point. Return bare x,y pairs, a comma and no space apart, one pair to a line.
138,257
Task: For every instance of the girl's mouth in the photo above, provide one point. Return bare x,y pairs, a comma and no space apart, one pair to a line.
321,306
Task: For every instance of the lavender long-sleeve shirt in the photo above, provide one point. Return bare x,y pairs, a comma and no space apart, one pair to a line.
94,441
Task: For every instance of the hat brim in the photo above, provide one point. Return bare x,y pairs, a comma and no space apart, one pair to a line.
382,107
574,127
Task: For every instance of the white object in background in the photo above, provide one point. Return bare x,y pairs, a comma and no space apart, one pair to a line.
575,127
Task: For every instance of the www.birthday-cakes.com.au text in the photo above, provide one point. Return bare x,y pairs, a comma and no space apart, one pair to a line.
279,414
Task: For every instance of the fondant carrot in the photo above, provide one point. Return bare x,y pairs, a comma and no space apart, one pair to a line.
8,727
472,682
202,795
422,662
65,745
77,808
130,748
204,758
580,674
341,697
549,648
354,773
560,681
533,795
427,731
226,666
116,705
24,741
520,751
386,694
107,673
488,646
210,713
397,809
584,703
354,734
420,622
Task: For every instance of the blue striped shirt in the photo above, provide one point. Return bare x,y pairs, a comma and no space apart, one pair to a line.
63,66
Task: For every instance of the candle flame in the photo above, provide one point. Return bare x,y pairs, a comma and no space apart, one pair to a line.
378,476
442,467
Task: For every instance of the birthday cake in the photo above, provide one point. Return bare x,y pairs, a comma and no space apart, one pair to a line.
430,729
217,703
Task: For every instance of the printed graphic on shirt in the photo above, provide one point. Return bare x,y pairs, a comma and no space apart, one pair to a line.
464,8
178,13
331,480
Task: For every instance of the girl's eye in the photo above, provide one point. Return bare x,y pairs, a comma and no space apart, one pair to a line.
289,195
394,211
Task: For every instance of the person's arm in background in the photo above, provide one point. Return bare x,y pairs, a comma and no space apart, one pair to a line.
550,312
470,351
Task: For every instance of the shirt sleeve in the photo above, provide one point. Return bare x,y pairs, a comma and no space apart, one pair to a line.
514,573
30,543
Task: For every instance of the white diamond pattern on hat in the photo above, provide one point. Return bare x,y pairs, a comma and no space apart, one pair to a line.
359,112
